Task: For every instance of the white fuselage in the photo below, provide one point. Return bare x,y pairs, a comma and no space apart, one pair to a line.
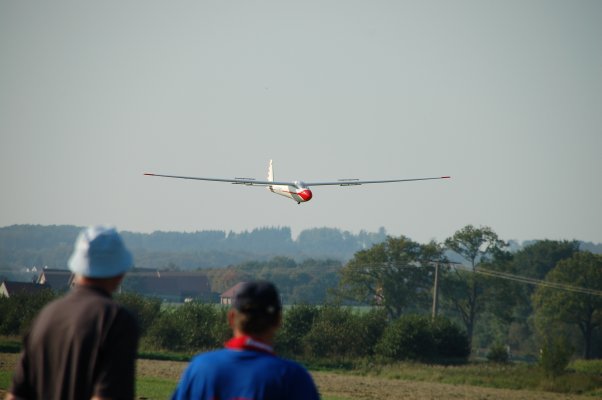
298,192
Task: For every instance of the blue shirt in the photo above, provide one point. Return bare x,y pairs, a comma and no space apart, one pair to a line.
230,374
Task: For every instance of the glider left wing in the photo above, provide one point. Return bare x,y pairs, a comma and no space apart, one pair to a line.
238,181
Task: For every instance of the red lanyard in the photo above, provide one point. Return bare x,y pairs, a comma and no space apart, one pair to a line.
248,343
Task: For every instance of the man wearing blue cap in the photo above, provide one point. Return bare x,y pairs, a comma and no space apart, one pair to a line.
83,345
248,369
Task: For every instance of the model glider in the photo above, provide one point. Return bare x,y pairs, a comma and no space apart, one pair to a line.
296,190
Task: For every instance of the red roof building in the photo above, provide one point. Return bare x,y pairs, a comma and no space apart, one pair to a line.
169,285
227,297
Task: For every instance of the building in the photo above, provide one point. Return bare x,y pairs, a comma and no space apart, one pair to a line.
227,297
59,280
9,288
169,285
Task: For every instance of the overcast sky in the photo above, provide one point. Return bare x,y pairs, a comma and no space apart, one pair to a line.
504,96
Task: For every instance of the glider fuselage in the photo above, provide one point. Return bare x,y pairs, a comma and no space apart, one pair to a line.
299,192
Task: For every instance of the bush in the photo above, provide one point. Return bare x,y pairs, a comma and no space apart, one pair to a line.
555,356
191,327
166,332
370,329
414,337
200,326
297,322
330,331
498,353
593,367
407,338
332,334
450,340
17,312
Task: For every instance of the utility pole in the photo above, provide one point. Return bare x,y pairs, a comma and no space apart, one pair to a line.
435,291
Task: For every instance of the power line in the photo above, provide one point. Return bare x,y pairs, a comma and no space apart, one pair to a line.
538,282
495,274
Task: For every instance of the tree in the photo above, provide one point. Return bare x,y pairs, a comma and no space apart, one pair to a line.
534,260
579,306
465,288
537,259
395,274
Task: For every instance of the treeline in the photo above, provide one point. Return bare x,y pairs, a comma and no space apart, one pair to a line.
520,300
545,295
501,296
308,332
304,282
35,245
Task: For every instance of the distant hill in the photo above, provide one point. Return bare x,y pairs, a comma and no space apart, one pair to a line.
592,247
26,246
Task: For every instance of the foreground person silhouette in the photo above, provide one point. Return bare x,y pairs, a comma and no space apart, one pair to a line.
83,345
247,368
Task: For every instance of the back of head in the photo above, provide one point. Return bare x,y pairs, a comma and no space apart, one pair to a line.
99,253
258,307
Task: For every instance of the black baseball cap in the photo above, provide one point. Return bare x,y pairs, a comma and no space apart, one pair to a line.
260,297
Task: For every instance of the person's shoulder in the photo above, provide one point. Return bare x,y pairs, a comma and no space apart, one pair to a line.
299,380
126,317
209,360
50,309
292,366
90,299
210,356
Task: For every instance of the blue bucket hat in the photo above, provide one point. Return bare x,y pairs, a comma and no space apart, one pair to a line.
100,253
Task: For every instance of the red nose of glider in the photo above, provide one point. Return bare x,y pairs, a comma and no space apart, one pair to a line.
305,194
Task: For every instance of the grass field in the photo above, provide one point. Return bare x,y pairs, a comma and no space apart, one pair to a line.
156,379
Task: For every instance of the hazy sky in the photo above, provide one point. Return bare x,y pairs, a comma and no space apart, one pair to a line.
504,96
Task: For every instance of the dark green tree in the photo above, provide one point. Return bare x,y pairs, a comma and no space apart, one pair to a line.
537,259
534,260
395,274
464,288
573,296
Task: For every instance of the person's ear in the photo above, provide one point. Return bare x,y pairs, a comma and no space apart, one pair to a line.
231,316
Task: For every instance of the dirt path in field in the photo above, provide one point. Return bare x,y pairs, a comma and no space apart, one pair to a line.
353,387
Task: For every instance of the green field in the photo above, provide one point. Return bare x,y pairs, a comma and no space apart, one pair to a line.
158,373
157,379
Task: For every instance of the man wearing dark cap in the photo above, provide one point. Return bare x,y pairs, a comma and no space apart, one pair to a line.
248,369
83,345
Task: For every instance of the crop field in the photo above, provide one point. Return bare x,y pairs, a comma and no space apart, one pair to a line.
157,379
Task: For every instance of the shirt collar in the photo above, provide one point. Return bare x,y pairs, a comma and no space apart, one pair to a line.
248,343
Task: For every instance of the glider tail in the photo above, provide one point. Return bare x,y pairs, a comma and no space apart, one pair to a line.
270,172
